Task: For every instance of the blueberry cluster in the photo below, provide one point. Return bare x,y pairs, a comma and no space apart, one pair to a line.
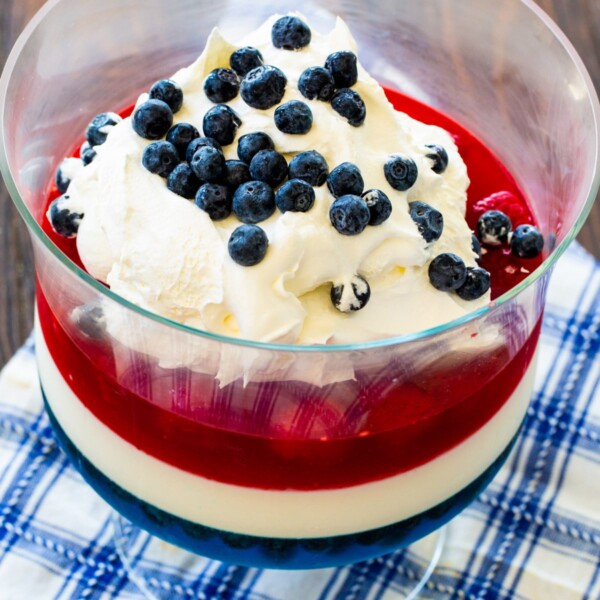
353,208
95,135
195,167
263,86
251,187
495,228
332,83
447,272
64,221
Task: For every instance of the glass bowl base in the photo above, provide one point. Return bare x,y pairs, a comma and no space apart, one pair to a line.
163,571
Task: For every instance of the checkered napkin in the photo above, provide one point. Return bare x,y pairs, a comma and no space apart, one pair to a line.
534,533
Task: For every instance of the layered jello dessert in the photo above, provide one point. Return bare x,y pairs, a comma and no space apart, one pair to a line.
272,192
307,329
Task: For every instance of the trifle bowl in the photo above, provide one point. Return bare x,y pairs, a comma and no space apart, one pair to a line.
285,455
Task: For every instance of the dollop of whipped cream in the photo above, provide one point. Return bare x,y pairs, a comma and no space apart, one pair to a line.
163,253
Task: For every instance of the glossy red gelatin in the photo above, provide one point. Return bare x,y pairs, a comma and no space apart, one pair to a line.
184,419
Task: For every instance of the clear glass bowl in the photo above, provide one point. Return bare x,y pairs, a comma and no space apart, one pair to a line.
232,449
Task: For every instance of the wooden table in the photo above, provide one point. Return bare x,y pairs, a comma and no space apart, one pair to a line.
579,19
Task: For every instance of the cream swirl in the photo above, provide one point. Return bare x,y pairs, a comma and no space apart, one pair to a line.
161,252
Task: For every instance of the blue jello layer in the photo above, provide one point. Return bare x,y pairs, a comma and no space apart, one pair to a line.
273,553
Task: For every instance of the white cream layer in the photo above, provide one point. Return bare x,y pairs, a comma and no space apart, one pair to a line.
279,513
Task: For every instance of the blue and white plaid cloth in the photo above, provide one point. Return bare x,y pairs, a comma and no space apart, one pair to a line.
534,533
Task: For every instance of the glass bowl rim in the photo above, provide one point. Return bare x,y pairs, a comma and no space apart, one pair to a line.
35,228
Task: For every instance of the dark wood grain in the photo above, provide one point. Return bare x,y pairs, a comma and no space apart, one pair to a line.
16,261
579,19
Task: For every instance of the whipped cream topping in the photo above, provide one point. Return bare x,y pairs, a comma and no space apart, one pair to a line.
161,252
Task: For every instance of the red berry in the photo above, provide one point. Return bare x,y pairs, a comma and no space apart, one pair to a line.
514,207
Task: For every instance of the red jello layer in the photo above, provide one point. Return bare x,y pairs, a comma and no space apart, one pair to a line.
401,426
400,431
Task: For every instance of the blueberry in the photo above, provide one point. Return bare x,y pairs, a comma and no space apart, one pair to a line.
221,123
221,85
100,127
248,245
268,166
345,179
62,181
439,156
198,143
181,135
447,272
349,214
476,246
526,241
182,181
293,117
251,143
476,284
169,92
90,320
316,82
429,221
350,105
295,195
214,199
64,221
245,59
263,87
353,297
253,202
290,33
152,119
494,227
401,172
160,158
208,164
310,166
343,67
236,173
87,153
380,207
